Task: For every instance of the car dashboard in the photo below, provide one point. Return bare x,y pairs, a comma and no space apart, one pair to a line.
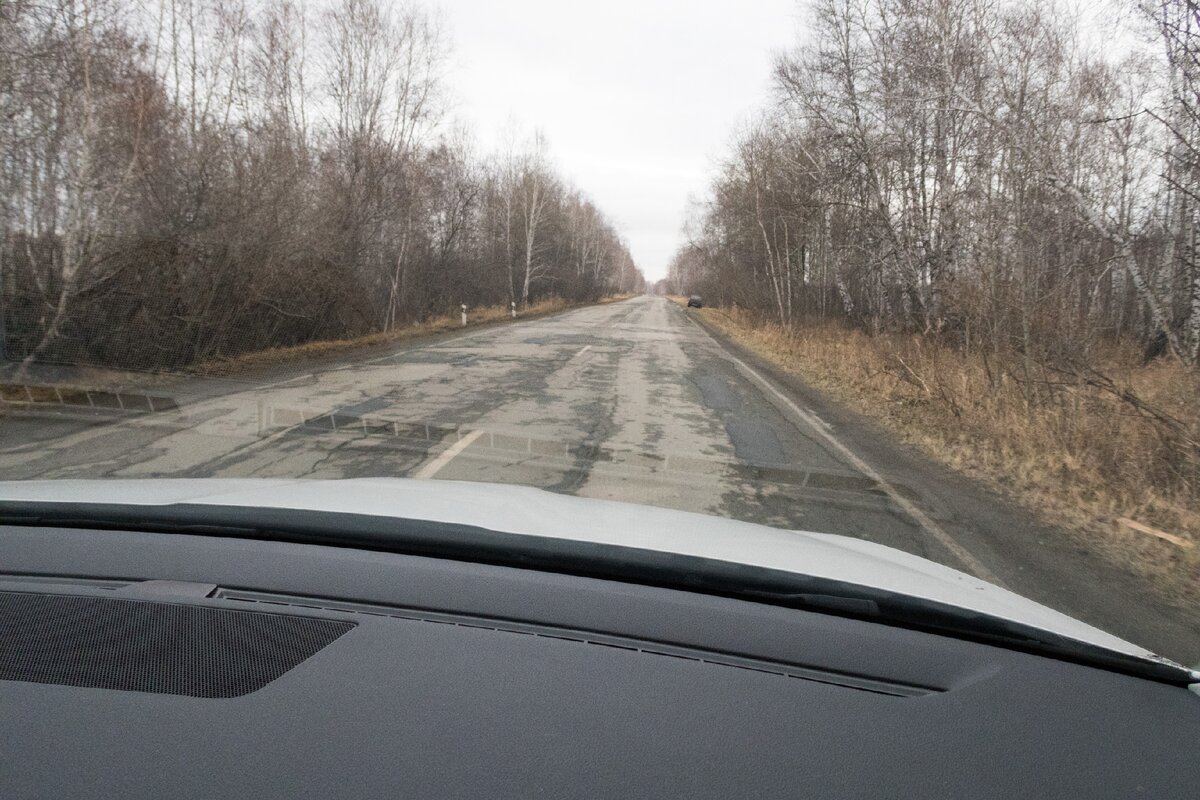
142,664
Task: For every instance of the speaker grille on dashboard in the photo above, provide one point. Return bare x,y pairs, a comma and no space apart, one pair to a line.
147,646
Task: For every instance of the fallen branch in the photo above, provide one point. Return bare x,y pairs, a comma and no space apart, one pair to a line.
915,379
1169,537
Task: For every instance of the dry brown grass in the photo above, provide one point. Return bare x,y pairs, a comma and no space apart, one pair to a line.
63,384
20,393
475,316
1083,450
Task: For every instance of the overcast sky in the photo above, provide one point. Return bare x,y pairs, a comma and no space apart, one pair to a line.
637,98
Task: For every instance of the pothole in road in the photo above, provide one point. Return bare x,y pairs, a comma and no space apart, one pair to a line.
562,339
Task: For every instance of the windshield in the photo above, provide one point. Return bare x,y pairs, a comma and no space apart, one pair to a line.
920,275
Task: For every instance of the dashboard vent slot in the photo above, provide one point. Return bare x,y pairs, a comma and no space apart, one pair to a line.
146,646
768,666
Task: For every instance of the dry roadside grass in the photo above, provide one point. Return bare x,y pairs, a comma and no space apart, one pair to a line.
1089,457
56,383
448,322
20,393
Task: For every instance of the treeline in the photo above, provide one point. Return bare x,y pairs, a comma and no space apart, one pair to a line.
186,179
979,171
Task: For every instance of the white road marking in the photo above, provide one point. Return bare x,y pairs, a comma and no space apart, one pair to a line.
276,384
920,517
581,352
823,423
435,466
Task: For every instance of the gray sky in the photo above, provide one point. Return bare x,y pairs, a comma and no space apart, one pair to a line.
637,98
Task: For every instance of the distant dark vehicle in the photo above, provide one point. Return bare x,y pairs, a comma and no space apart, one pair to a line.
695,301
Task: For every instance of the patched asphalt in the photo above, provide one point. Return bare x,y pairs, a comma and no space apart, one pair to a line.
631,401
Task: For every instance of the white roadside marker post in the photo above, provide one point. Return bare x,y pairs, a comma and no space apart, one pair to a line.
513,304
464,315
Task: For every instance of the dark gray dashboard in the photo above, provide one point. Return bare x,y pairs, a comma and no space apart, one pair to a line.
444,678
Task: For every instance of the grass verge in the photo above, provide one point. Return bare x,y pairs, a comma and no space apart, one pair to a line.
1110,457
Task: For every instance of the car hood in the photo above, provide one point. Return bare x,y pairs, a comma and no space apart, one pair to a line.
534,512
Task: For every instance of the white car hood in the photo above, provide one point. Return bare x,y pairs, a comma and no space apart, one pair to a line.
514,509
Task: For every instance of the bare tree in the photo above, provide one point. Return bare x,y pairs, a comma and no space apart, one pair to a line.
185,179
967,166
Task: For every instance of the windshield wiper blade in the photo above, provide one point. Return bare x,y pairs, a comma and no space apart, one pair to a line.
586,559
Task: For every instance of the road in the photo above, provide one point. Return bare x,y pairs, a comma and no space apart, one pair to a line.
631,401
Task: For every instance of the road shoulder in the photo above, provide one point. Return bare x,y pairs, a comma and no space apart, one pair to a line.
1033,558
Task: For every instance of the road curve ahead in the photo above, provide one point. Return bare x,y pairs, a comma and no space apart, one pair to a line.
630,401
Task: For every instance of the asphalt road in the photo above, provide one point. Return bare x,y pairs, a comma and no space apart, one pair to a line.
631,401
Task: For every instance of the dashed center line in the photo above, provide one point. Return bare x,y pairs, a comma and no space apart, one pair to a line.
436,466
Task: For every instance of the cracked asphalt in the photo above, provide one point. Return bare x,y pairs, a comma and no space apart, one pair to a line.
631,401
